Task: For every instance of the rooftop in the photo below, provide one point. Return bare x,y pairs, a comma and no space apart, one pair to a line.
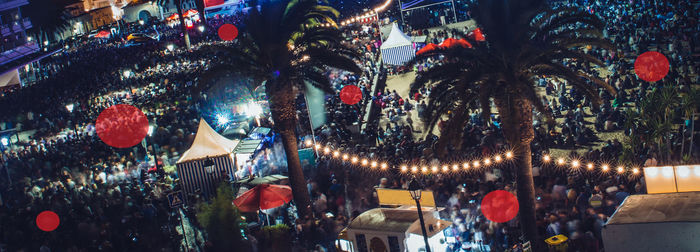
662,207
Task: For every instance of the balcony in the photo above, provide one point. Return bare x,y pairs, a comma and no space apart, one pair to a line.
18,52
7,29
10,4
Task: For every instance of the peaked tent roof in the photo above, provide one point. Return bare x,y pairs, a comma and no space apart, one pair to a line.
208,143
396,38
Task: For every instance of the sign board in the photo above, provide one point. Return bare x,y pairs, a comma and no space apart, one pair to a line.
306,156
176,199
669,179
403,197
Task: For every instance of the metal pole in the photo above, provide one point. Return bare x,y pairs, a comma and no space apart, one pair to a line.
401,13
454,10
155,156
422,226
182,224
313,135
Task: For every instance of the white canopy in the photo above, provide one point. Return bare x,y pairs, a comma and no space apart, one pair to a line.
396,38
208,143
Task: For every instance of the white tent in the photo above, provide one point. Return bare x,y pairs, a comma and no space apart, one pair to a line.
207,145
398,48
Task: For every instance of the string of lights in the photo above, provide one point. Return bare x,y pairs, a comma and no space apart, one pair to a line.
474,164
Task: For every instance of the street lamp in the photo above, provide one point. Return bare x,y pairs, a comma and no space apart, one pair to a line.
414,188
209,165
155,153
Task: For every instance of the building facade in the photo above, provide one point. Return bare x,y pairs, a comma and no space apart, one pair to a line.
17,48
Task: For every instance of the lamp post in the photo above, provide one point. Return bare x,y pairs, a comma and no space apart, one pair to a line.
155,153
414,188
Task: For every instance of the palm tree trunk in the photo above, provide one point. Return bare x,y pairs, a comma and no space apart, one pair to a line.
516,114
178,4
284,116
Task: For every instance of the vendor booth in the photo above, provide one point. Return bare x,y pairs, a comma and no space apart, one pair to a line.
655,222
208,161
398,48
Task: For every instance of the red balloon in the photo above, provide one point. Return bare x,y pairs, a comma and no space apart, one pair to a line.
228,32
651,66
500,206
350,94
47,221
121,126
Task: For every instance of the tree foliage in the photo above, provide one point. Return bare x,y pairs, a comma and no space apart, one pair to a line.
222,221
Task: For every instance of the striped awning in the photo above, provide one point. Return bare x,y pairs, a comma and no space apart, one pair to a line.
398,55
193,175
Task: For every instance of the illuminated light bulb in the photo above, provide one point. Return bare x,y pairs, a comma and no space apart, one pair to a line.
683,171
605,168
589,166
424,169
414,169
475,164
465,165
546,158
383,166
497,158
455,167
667,171
487,161
373,164
308,142
620,169
345,156
404,168
336,154
364,162
326,150
509,155
353,160
445,168
575,163
434,169
560,161
318,146
635,170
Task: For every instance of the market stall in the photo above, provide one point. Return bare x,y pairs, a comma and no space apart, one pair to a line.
207,162
397,49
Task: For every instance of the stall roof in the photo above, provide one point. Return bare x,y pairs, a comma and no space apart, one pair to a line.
396,38
208,143
247,146
662,207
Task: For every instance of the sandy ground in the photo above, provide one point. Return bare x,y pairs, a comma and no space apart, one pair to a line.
402,84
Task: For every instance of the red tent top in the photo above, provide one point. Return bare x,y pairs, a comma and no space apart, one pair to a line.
451,42
173,17
103,34
477,35
190,13
427,48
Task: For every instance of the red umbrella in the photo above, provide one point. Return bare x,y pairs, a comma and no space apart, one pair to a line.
263,197
103,34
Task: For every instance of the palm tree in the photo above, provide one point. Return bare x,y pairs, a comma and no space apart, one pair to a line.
178,6
525,40
282,45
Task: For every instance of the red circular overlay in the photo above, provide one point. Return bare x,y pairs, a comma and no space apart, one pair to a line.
350,94
121,126
500,206
651,66
47,221
228,32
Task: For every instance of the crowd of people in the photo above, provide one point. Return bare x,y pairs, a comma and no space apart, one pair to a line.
108,197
